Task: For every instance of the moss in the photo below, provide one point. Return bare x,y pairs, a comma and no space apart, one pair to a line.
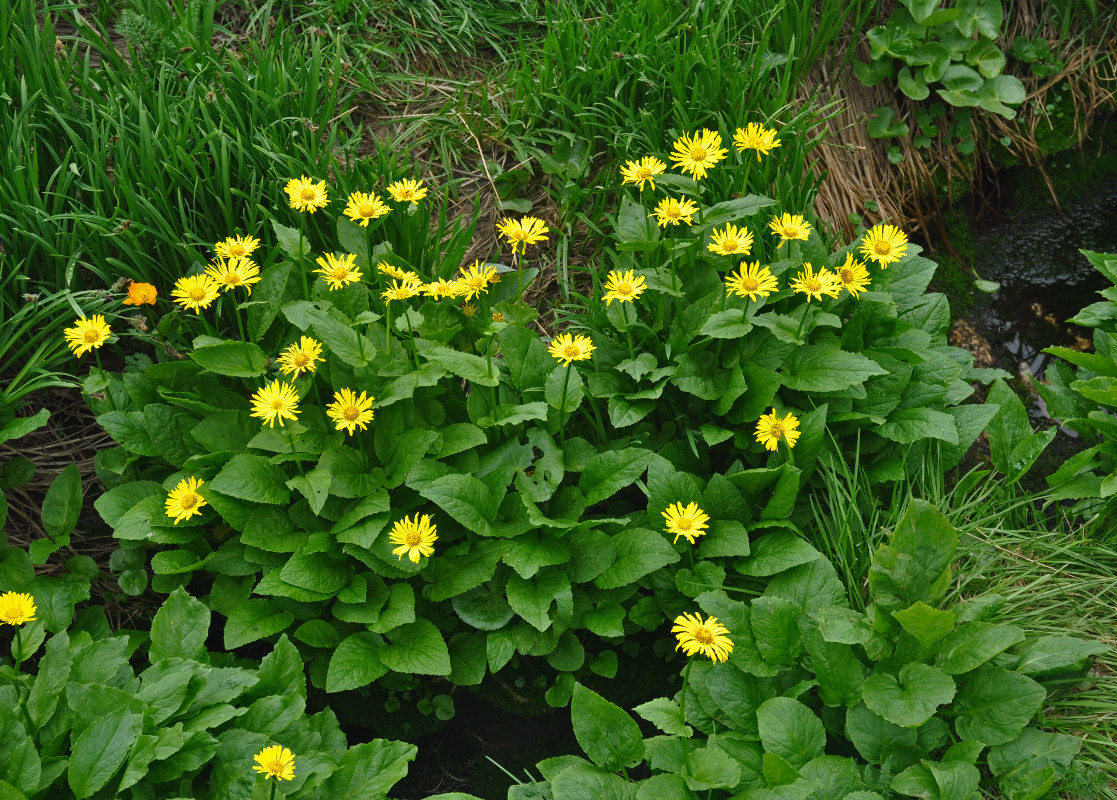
1055,132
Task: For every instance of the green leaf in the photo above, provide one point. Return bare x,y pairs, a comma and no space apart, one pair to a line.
873,72
465,365
836,667
638,553
570,380
254,619
989,61
355,663
728,324
790,730
252,478
341,337
18,427
606,733
776,552
268,297
875,737
980,16
994,705
1034,750
913,87
100,751
371,769
911,699
62,503
1049,654
180,628
915,565
234,359
607,473
775,628
463,569
666,715
128,430
710,767
816,368
531,598
291,242
416,648
973,644
912,424
884,125
926,624
921,9
587,782
466,499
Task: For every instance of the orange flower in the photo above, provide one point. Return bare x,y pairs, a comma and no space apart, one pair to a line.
141,294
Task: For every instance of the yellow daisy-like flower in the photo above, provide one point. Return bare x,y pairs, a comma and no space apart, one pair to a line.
689,522
521,232
16,608
87,334
755,136
350,411
415,538
306,195
751,281
301,357
476,279
497,317
401,291
642,171
184,501
275,762
885,244
567,348
708,637
469,310
670,211
276,401
338,271
852,276
384,268
407,191
141,294
624,287
441,288
236,247
363,208
195,292
770,429
789,227
732,241
698,153
815,285
237,271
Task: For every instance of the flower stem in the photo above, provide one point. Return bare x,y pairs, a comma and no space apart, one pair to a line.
273,788
682,705
562,401
298,461
302,258
411,332
240,322
17,648
627,334
387,325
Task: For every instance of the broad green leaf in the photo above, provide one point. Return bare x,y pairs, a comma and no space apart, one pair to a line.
775,629
252,478
911,698
370,770
774,553
926,624
293,243
638,553
532,598
416,648
737,695
465,365
318,572
973,644
710,767
18,427
835,665
466,499
1049,654
255,619
790,730
563,389
912,86
816,368
230,358
915,565
1034,750
666,715
468,659
355,663
127,428
460,570
587,782
994,705
100,751
62,503
607,473
606,733
912,424
874,736
180,628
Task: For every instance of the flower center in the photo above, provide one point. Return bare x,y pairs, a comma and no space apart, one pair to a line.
91,336
307,194
683,523
813,285
776,430
846,274
624,290
301,359
730,245
232,278
277,404
237,250
883,247
790,233
750,284
188,501
703,636
198,294
351,413
276,767
571,351
698,154
643,174
340,273
366,210
413,538
674,212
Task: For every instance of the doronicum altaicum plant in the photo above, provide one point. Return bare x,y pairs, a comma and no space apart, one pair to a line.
388,464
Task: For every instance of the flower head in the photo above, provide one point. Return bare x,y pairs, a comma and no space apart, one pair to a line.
404,290
789,227
567,348
884,244
338,271
670,211
852,276
275,401
363,208
476,279
87,334
184,501
407,191
624,287
350,411
236,247
755,137
237,271
521,232
751,281
141,294
195,292
689,522
305,195
469,309
695,154
709,637
732,241
815,285
16,608
770,429
415,538
642,171
441,288
301,357
275,762
392,271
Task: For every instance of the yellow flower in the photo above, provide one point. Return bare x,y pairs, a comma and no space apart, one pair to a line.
689,522
236,247
475,280
469,309
441,288
275,401
497,317
195,292
184,501
732,241
415,538
642,171
885,244
407,191
709,637
87,334
789,227
338,271
16,608
384,268
276,762
301,357
363,208
350,411
237,271
141,294
401,291
751,281
567,348
624,287
306,195
852,276
672,211
813,285
521,232
755,137
698,153
770,429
